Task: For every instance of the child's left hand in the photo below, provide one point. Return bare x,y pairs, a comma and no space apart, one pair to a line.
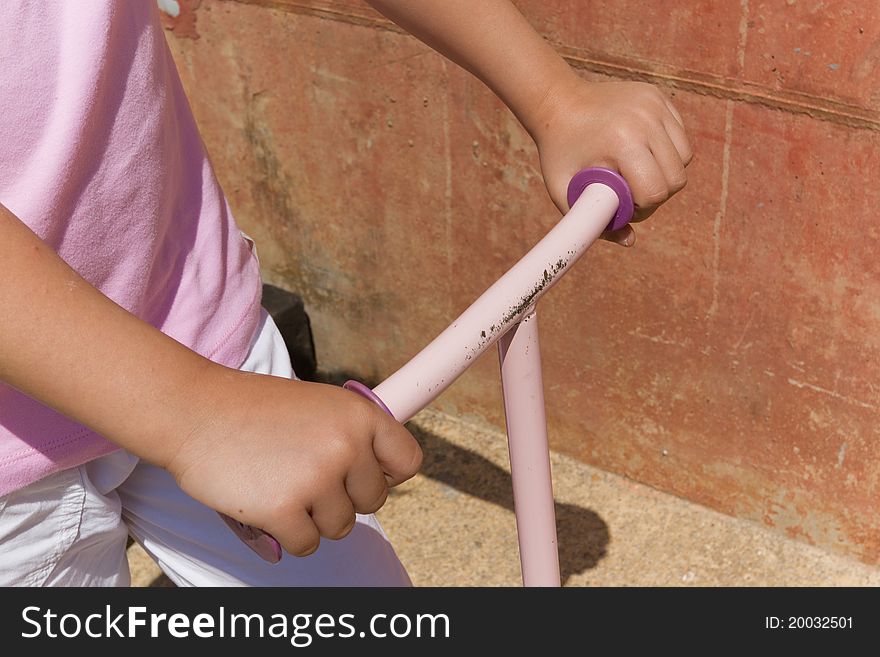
630,127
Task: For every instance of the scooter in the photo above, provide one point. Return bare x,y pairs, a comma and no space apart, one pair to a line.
506,313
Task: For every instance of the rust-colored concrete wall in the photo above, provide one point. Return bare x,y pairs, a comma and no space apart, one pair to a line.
730,358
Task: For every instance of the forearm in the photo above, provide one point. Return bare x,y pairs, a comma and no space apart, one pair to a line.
65,344
626,126
492,40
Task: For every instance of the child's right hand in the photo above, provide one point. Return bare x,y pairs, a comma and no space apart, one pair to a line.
292,458
630,127
295,459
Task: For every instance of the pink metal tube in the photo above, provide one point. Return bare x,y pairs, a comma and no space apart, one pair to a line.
520,356
599,198
434,368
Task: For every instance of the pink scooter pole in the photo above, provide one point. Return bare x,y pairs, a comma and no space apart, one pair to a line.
533,502
600,199
506,311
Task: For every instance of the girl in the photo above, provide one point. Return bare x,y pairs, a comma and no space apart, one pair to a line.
143,387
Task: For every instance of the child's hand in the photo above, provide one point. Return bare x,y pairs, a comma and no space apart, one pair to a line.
630,127
295,459
292,458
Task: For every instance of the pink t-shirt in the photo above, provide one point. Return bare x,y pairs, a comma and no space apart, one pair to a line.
101,157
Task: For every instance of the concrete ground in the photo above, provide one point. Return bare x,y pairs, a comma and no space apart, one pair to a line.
453,525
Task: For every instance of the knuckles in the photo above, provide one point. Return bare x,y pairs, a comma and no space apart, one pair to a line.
678,184
417,460
342,531
655,198
374,506
304,549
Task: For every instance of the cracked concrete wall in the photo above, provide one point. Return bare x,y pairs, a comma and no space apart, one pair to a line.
731,358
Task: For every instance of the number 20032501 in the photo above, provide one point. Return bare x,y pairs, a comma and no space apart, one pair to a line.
808,622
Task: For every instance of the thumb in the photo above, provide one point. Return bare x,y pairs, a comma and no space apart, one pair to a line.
625,236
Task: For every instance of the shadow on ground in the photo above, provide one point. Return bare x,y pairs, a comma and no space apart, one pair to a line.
161,582
582,535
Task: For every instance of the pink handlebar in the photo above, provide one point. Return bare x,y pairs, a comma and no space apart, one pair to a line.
600,200
586,177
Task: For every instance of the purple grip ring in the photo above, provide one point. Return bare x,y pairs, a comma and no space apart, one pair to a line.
365,392
264,544
625,208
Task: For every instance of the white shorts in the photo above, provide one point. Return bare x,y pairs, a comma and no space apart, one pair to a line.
71,528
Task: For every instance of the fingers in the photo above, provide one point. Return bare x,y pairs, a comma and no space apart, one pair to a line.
679,139
396,456
670,162
333,513
299,536
366,485
672,110
398,453
646,180
626,236
656,171
675,129
332,516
